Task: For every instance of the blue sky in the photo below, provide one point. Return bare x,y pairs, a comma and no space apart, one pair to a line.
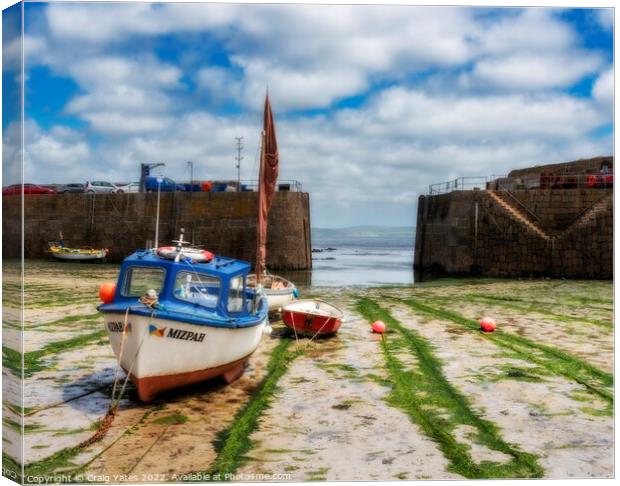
372,103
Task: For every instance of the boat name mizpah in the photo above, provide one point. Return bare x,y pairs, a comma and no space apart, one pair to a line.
117,326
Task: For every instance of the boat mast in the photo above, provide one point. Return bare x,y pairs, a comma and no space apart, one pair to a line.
259,221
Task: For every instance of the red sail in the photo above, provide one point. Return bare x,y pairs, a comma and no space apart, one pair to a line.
266,185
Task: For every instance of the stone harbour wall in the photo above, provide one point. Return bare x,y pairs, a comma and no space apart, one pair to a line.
223,222
469,232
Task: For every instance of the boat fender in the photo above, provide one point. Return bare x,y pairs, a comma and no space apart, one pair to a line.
487,324
296,293
267,330
378,327
106,292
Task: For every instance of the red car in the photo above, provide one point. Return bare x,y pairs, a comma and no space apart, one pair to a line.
16,189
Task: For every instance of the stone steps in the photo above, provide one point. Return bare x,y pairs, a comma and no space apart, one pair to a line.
518,215
590,215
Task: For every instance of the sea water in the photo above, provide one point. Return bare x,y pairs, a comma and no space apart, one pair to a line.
365,258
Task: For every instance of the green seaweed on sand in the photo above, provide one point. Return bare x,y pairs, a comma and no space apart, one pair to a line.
82,318
340,370
174,418
345,404
317,475
233,443
17,409
439,408
553,359
63,459
507,371
12,360
540,308
33,361
11,468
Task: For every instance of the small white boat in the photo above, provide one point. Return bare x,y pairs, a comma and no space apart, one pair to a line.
279,291
173,322
78,254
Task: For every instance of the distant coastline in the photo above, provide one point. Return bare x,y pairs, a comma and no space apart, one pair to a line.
382,232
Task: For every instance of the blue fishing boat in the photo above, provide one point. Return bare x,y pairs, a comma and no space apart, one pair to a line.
179,317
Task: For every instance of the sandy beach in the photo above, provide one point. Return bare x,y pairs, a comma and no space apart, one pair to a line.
433,399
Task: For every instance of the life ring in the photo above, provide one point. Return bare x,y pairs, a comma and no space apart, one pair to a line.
195,254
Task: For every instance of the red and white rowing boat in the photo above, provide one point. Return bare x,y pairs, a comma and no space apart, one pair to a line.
313,317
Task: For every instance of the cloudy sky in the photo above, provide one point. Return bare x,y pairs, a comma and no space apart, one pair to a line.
372,103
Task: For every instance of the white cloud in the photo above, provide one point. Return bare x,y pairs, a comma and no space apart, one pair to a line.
277,45
603,89
11,153
415,114
116,123
119,70
124,96
58,153
534,71
605,17
11,54
533,29
220,83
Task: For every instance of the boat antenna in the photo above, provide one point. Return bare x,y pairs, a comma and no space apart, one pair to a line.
179,242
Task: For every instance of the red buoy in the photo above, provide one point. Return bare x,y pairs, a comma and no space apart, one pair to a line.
106,292
487,324
378,327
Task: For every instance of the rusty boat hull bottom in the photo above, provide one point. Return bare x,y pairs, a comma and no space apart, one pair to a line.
149,387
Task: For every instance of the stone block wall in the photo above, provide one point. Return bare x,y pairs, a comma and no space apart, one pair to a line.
467,232
555,208
224,223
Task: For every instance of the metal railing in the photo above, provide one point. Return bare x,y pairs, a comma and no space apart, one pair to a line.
577,181
543,181
462,184
501,187
281,185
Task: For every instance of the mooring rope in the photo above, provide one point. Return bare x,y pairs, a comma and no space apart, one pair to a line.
120,354
106,422
317,333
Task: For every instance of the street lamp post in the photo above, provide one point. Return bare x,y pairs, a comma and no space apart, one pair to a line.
159,181
191,177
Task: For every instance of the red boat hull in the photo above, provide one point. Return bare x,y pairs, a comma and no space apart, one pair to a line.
305,323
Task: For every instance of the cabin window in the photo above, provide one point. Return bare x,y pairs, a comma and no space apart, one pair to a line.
197,288
140,279
236,294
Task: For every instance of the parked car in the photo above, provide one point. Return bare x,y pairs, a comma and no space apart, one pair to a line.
29,189
100,187
167,184
195,187
65,188
131,187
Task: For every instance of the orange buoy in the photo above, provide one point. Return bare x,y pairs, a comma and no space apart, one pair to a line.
106,292
378,327
487,324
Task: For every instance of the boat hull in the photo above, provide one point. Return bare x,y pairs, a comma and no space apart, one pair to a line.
306,320
277,298
80,257
161,354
